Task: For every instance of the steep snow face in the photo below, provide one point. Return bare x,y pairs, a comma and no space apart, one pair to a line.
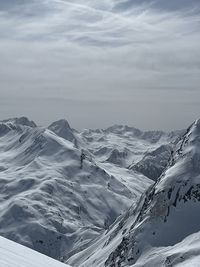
166,218
13,254
55,197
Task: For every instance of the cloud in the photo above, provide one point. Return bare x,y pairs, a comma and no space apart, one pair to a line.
100,52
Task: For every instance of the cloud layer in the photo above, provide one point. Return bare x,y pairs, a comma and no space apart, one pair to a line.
101,62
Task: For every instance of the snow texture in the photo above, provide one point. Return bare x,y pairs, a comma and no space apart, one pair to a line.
15,255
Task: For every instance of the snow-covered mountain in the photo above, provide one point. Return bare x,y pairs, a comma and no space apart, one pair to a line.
85,198
56,195
163,228
13,254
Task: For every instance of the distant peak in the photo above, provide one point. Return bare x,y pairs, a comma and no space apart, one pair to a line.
21,121
62,129
118,128
62,123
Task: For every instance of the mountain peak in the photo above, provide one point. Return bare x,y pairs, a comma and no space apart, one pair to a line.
14,124
197,125
20,121
61,123
62,129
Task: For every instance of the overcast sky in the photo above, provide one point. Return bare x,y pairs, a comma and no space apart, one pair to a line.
101,62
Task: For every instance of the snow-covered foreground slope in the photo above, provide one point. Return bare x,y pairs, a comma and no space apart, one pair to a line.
15,255
163,228
55,195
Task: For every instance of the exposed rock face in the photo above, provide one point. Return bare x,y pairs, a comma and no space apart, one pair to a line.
153,163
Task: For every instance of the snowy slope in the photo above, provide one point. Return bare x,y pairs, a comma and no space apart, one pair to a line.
55,195
13,254
163,228
183,254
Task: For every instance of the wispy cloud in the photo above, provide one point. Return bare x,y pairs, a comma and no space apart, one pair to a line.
94,51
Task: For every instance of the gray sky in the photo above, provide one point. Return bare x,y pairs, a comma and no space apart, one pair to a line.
101,62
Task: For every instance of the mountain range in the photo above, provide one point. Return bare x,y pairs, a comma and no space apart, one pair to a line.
106,197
